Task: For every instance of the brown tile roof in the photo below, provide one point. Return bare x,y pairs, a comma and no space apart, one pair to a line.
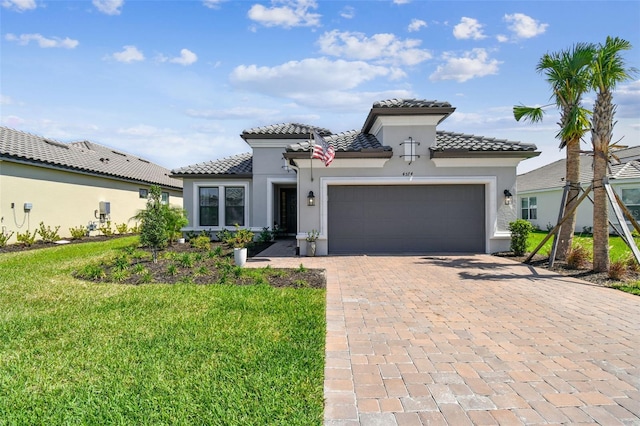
237,166
410,103
84,156
406,107
284,131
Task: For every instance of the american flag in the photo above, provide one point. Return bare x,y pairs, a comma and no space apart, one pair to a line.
322,150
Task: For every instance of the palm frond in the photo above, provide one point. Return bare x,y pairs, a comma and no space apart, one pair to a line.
531,114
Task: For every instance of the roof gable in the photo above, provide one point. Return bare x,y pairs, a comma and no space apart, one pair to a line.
283,131
396,107
83,156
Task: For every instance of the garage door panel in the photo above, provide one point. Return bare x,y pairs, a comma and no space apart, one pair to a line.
406,218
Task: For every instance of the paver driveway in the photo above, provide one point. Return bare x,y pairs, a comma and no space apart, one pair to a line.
474,340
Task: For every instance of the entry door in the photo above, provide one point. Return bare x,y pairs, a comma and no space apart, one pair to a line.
288,211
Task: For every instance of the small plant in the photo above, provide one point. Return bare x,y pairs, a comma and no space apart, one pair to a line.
185,260
4,238
301,268
202,270
201,242
172,269
587,229
106,229
140,269
241,237
122,228
618,270
224,236
27,238
47,234
314,234
78,233
146,277
266,235
92,272
550,226
632,264
135,229
120,275
121,262
578,257
520,230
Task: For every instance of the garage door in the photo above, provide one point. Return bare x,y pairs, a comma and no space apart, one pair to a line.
406,219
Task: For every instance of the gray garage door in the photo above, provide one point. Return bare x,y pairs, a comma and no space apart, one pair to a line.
406,219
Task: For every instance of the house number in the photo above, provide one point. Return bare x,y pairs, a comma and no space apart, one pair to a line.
407,174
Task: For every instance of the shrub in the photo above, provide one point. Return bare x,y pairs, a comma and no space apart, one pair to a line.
520,230
92,271
106,229
632,264
175,219
201,242
27,238
78,233
185,260
4,238
618,270
266,235
241,237
578,257
153,231
122,228
47,234
224,236
172,269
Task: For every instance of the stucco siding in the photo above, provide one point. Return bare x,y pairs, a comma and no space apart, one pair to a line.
64,199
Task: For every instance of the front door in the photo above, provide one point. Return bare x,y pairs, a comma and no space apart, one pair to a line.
288,211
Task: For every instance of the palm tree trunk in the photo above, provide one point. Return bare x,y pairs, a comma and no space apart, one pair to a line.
565,239
601,135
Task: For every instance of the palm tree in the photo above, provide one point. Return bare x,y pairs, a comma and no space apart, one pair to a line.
567,72
608,69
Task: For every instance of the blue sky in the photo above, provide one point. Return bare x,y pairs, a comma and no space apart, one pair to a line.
176,82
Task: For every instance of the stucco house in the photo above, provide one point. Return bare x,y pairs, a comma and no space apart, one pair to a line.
540,190
73,184
399,185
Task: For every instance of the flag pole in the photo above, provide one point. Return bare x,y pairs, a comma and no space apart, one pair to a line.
311,155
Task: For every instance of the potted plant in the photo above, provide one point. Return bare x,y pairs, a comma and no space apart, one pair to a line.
240,240
312,237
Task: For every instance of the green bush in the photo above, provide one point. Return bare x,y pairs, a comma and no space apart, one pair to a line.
201,242
224,236
47,234
27,238
241,237
266,235
520,230
122,228
4,238
78,233
106,229
153,224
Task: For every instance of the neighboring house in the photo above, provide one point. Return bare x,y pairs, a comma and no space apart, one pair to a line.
540,191
73,184
398,186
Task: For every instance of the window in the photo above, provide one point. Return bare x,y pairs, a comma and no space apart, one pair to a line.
208,206
234,205
165,198
529,207
143,193
631,199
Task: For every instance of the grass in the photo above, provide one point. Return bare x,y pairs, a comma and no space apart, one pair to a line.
618,248
73,352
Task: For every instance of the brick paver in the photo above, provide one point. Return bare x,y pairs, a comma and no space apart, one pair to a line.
473,339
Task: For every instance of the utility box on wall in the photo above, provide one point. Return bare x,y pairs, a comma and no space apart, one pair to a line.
105,208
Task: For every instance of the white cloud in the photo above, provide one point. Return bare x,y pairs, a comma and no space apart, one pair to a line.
42,41
292,13
627,98
472,64
5,100
524,26
212,4
237,113
19,5
129,54
186,57
109,7
468,28
385,48
401,1
416,25
307,76
348,12
502,38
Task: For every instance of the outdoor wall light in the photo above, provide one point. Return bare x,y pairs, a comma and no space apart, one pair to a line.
311,199
507,197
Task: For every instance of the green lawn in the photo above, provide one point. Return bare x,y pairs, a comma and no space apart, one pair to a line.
73,352
618,248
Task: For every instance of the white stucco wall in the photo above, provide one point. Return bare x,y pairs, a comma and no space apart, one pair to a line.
65,199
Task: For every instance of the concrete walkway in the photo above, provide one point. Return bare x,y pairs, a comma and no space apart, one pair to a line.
472,340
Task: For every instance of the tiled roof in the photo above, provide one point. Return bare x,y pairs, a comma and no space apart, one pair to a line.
238,165
449,141
352,141
553,175
82,156
410,103
284,131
